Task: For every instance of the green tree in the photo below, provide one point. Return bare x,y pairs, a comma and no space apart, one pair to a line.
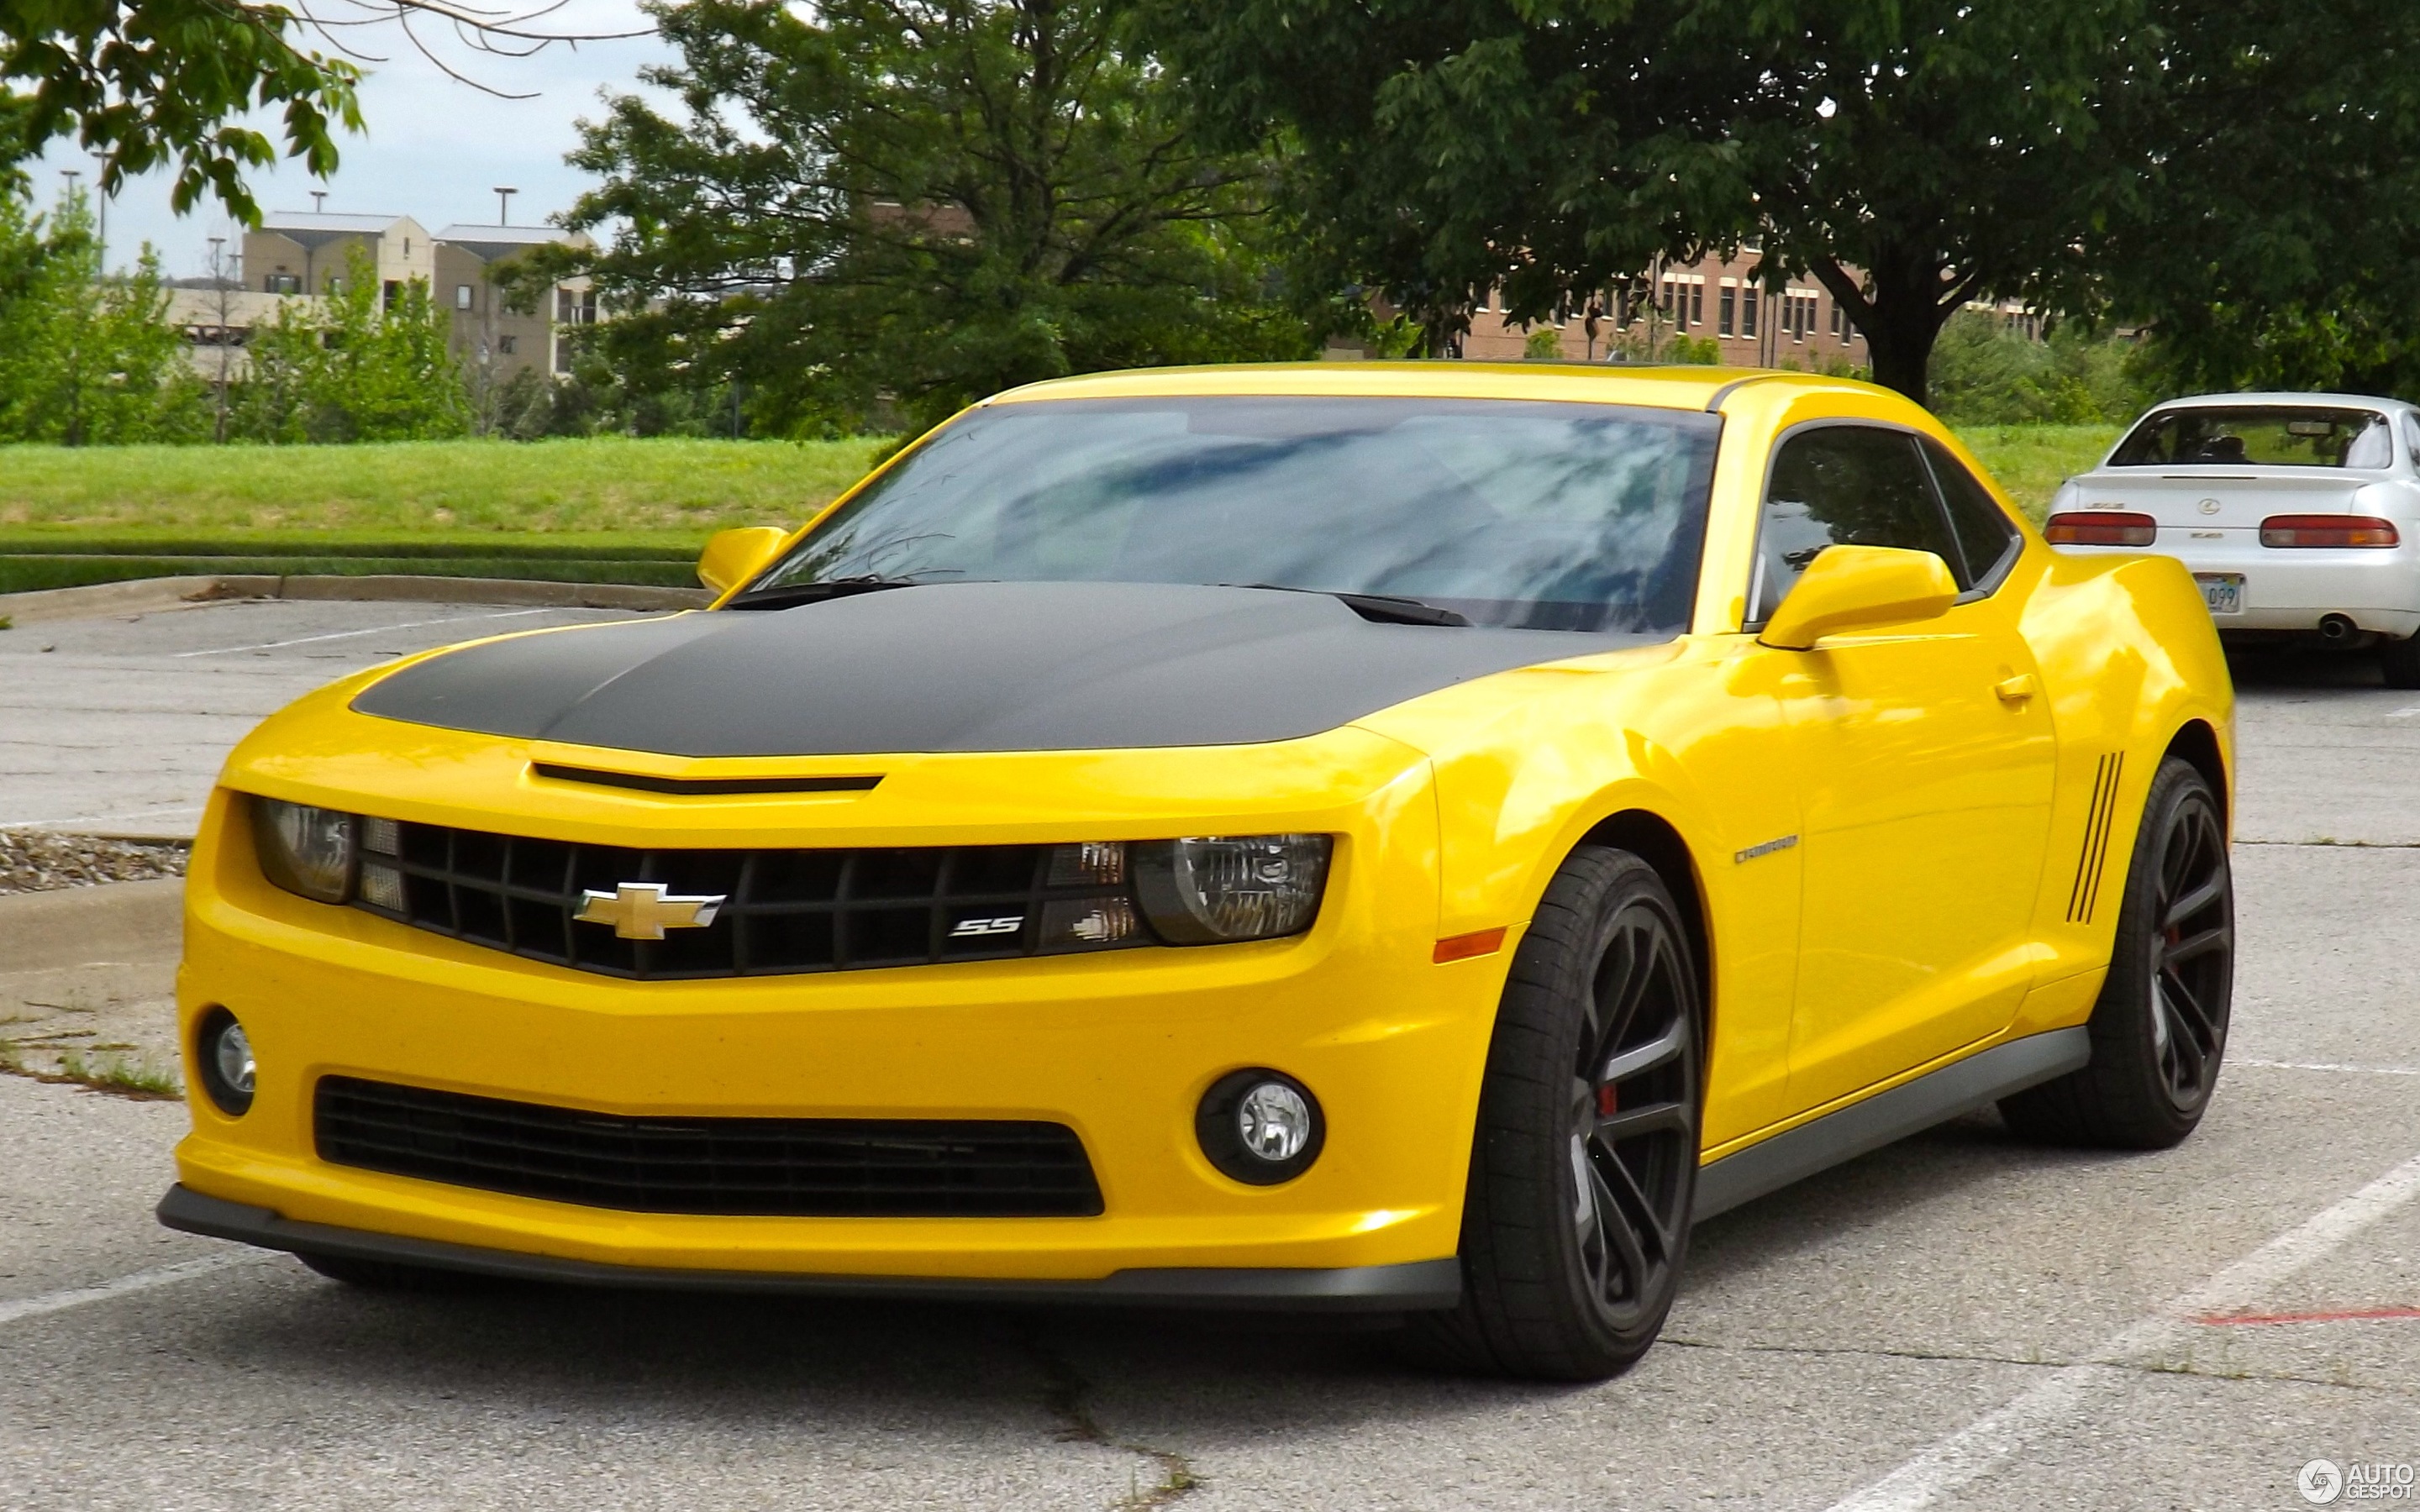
167,82
83,359
882,210
363,367
1986,372
1554,149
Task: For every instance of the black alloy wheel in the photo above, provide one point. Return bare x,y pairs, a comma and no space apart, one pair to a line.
1634,1139
2158,1031
2192,949
1584,1166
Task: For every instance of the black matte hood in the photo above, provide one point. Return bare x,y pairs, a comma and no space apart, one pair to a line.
960,667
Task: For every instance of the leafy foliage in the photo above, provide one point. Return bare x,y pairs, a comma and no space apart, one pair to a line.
1984,373
84,360
164,82
891,207
1945,149
366,371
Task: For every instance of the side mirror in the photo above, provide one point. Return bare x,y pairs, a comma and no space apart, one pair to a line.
1856,588
733,557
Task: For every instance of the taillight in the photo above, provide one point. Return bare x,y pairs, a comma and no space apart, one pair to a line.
2100,527
2328,530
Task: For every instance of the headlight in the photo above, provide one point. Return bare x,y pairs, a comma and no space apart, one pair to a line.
305,850
1205,889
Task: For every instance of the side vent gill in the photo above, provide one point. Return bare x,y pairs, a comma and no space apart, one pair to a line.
2097,825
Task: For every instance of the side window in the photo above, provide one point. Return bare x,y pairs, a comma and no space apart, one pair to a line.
1985,537
2412,435
1843,486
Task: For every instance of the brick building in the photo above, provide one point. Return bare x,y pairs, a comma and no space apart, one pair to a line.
1800,325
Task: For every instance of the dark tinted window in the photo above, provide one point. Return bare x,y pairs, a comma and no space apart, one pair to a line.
1843,486
2294,436
1985,537
1558,517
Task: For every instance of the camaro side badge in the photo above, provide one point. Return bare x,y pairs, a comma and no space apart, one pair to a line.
642,911
1007,925
1766,849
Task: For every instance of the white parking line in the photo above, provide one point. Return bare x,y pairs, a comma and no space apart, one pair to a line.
2323,1065
157,811
1973,1451
347,635
59,1301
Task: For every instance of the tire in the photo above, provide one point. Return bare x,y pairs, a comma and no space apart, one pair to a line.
388,1275
2400,661
2158,1031
1584,1162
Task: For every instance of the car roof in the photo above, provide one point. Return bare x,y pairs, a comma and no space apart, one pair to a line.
2313,401
1676,387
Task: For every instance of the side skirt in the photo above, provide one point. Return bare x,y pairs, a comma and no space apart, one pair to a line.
1888,1118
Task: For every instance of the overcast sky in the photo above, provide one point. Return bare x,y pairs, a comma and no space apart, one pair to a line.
434,149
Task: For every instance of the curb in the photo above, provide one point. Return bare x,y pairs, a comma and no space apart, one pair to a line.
110,921
144,594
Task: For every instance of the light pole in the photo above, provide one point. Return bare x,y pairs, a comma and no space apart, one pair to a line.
503,204
100,206
219,290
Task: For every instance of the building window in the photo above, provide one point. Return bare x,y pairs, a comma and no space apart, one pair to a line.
407,249
281,283
393,292
1725,304
1839,321
1747,309
508,344
1698,303
461,296
562,355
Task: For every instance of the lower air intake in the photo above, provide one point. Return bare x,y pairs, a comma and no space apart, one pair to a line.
791,1168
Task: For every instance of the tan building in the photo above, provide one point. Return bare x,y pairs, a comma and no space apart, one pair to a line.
494,339
307,252
1800,325
217,324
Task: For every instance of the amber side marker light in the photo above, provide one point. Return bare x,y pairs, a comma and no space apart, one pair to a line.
1463,947
2100,527
2328,530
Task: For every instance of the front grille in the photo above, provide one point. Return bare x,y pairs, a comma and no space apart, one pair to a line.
739,1167
787,911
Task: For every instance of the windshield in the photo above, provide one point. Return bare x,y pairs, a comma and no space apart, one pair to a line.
1569,516
2293,435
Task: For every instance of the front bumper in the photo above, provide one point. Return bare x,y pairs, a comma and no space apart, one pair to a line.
1118,1046
1413,1287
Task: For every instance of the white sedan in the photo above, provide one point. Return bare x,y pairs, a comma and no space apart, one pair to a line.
2299,514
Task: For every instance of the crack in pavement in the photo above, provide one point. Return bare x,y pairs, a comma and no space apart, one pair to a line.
1953,1357
1066,1396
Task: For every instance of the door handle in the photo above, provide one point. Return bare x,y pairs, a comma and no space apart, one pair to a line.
2015,689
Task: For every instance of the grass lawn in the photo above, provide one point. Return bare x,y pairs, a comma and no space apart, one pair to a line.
2031,461
606,509
461,488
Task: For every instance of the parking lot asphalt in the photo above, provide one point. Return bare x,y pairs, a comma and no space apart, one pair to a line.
117,724
1960,1321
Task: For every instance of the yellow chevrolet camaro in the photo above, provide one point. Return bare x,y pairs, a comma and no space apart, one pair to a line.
1409,838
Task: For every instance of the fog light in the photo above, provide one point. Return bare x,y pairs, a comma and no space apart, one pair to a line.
226,1062
1261,1127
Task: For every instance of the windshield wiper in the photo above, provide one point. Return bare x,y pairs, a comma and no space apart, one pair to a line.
789,596
1380,608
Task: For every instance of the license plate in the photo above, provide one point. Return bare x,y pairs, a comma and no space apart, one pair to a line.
2222,591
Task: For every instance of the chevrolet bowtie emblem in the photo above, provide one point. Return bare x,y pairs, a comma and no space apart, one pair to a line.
641,910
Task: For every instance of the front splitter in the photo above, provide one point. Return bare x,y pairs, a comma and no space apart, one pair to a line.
1419,1286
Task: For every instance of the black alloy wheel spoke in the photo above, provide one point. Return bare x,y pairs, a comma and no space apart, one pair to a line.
2185,909
1636,1112
1633,1123
2192,950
